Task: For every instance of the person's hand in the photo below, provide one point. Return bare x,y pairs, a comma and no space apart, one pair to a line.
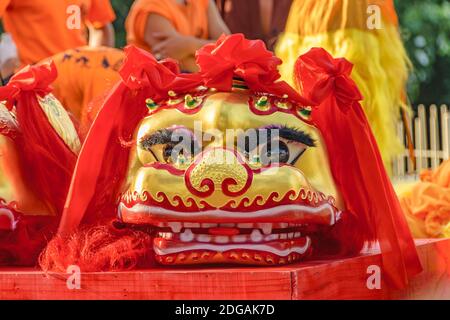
171,45
8,67
9,60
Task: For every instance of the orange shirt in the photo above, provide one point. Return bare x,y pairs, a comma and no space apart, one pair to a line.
85,76
190,19
40,27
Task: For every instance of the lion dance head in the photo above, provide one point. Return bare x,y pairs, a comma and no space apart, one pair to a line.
229,165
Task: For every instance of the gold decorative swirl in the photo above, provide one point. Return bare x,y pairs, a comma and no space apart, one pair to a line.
134,196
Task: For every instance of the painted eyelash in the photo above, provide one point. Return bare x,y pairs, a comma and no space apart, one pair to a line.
159,137
293,134
297,135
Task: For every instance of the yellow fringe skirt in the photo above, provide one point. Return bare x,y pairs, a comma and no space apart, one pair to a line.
380,70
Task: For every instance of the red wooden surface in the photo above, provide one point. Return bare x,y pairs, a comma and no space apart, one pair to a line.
314,280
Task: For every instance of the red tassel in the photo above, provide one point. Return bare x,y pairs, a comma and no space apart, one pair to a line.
101,247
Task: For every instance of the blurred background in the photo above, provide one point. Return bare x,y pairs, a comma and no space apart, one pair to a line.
425,26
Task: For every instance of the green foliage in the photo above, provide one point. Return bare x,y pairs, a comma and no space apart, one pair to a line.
121,8
425,26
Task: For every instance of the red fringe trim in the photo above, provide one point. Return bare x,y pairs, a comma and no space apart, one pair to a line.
103,247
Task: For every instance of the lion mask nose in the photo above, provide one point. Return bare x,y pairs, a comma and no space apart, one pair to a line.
218,170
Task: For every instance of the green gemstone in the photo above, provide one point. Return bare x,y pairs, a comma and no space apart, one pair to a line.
151,104
305,112
262,102
256,159
190,102
240,86
181,159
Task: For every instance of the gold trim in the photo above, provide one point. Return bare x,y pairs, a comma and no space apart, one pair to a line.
60,121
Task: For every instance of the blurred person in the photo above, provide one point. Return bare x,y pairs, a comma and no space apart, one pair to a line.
174,28
257,19
9,59
85,76
42,28
366,33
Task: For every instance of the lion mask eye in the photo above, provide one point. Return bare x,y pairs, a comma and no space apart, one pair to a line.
177,146
276,144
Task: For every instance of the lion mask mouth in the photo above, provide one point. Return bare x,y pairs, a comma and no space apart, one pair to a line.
273,233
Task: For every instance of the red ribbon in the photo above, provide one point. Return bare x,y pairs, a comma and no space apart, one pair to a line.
322,75
234,56
31,78
356,164
141,70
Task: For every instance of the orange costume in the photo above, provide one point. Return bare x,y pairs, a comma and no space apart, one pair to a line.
85,76
427,205
189,20
40,28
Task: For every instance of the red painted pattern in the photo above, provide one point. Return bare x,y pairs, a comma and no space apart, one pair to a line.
272,104
167,167
181,106
130,199
204,94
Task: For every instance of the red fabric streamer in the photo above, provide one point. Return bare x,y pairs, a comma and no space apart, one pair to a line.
142,70
234,56
36,79
93,194
356,163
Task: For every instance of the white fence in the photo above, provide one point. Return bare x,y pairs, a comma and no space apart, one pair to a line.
430,132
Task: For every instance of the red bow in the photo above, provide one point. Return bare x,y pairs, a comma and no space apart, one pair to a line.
31,78
234,56
321,75
141,70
